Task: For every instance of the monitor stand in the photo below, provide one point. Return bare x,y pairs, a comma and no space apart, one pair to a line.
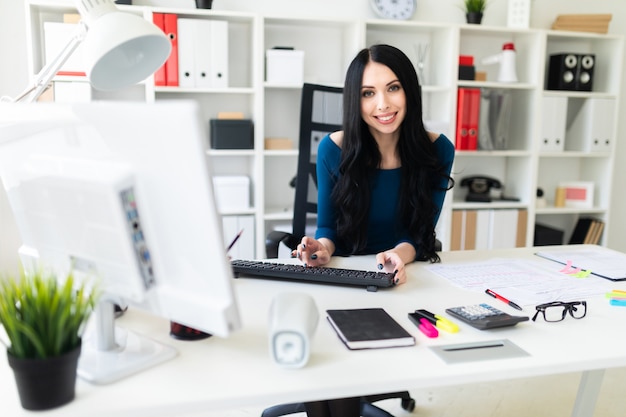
110,353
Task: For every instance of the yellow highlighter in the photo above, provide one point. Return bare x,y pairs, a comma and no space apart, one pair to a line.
445,324
439,322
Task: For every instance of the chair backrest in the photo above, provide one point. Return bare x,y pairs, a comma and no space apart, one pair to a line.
321,113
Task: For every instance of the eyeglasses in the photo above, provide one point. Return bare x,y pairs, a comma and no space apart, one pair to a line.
556,310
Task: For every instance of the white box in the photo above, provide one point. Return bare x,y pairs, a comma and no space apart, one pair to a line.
284,66
232,192
56,37
72,92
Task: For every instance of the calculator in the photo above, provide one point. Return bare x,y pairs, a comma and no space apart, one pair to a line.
484,317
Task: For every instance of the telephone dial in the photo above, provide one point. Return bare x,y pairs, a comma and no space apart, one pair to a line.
480,188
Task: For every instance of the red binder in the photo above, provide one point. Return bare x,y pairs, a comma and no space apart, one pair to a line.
170,23
462,113
474,119
160,77
468,104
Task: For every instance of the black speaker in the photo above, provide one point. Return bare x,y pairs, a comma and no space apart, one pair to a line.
571,72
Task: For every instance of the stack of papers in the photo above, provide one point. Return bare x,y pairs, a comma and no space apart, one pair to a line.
523,281
599,261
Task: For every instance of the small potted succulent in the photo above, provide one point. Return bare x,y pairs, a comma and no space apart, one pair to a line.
474,10
43,318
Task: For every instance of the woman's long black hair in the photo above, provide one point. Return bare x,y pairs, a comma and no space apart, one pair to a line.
422,171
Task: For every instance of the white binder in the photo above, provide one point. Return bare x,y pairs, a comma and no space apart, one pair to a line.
591,129
203,53
186,52
244,247
218,41
553,124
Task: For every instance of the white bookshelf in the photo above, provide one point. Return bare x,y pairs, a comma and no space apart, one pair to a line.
330,44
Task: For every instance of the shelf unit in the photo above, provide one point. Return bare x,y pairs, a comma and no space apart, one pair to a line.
330,44
580,160
282,102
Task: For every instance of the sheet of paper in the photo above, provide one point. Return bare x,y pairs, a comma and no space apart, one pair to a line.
522,281
599,260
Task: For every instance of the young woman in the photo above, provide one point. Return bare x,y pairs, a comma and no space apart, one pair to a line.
381,180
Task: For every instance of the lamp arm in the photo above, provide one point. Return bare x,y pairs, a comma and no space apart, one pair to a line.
48,72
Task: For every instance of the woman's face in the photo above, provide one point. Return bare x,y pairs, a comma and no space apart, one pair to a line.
383,102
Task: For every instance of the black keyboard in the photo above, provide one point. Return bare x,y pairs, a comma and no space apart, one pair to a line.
325,275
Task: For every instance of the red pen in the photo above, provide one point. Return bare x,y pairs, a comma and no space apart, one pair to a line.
501,298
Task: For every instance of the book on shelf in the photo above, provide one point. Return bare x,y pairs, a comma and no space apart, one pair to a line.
594,233
587,231
584,17
598,23
368,328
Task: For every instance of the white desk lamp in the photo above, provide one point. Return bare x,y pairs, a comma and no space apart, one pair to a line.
120,49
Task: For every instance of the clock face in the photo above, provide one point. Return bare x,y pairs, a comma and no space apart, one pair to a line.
394,9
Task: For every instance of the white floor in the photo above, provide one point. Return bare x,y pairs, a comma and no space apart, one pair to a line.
551,396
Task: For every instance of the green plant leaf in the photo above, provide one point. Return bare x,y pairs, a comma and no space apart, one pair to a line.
475,5
41,316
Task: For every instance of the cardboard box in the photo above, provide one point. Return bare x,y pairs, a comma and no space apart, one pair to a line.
480,76
278,143
232,192
284,66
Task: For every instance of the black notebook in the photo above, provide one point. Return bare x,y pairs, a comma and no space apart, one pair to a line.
368,328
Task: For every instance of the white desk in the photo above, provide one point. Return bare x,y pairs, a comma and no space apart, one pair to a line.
238,372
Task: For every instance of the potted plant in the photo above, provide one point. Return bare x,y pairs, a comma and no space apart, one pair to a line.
474,10
43,319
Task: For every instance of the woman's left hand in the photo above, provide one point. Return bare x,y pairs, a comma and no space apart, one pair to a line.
390,261
396,259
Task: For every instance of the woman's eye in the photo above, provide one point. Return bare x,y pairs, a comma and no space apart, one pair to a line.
367,93
394,87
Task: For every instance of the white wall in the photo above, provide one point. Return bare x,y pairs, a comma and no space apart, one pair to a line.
13,76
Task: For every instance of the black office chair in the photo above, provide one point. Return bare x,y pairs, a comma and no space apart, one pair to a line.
321,113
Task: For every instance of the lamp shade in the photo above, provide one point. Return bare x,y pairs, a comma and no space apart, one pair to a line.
122,49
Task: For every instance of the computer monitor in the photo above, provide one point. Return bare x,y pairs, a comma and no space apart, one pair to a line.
121,191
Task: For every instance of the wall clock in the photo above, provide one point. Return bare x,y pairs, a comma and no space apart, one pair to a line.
394,9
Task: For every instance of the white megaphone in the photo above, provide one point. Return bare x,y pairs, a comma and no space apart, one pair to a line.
506,59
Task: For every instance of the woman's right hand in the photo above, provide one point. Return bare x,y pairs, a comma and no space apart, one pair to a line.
313,252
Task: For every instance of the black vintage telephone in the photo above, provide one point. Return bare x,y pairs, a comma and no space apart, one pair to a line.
480,188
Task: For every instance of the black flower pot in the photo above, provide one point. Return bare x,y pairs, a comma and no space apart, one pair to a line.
474,17
45,383
204,4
